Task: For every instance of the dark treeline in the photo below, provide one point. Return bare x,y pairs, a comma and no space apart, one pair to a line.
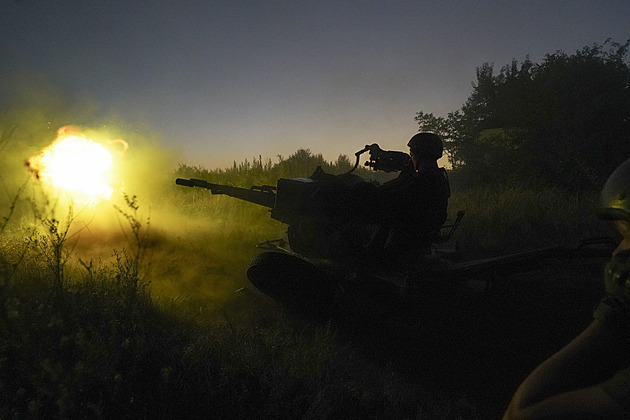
564,122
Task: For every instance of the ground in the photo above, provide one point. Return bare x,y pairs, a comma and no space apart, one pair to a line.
475,346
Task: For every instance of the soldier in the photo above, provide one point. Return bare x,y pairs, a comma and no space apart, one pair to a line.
412,208
399,217
590,377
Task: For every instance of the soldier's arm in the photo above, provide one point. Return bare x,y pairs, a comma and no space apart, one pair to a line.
566,384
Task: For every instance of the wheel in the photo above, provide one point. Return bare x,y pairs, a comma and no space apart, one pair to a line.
293,282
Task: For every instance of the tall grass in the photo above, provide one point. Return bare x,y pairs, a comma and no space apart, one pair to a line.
513,218
163,328
91,340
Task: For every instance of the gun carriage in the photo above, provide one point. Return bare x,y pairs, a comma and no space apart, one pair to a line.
317,271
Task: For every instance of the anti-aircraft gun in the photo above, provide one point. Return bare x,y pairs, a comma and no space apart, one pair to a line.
314,272
310,206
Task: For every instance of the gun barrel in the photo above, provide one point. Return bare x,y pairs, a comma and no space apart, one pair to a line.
262,196
192,182
184,182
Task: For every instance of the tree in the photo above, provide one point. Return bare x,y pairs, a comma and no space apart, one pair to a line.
564,121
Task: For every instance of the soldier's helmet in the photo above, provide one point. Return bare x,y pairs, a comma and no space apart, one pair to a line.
614,200
427,145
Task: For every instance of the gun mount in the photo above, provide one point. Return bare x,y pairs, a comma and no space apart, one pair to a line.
293,198
306,204
315,208
329,254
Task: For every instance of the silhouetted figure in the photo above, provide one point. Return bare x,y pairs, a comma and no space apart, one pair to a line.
590,377
403,214
413,207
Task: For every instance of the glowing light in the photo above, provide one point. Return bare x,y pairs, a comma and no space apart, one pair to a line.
76,165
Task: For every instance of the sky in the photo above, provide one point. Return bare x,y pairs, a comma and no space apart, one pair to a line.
222,81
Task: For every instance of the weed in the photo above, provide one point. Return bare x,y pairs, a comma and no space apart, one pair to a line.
188,345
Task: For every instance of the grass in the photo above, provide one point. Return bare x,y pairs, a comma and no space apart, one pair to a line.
105,348
94,339
164,324
507,219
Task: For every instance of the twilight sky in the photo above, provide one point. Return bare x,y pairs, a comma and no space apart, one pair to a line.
227,80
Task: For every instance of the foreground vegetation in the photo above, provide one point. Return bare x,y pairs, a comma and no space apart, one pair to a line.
92,341
168,327
102,347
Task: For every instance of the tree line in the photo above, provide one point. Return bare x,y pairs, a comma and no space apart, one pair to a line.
563,122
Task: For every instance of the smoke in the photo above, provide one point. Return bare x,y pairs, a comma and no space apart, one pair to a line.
202,256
